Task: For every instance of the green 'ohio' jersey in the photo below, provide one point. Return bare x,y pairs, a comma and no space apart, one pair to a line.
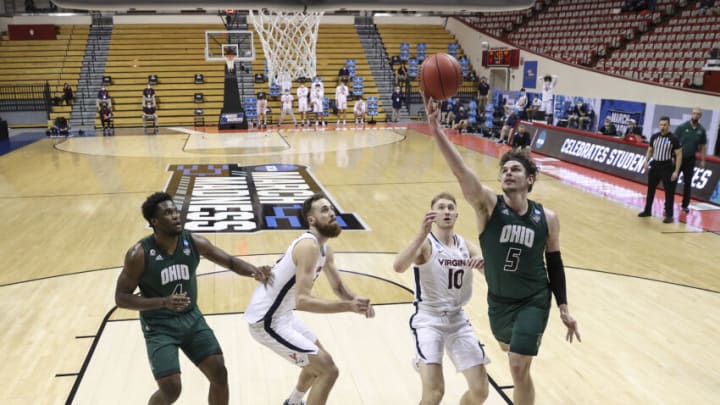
513,247
165,274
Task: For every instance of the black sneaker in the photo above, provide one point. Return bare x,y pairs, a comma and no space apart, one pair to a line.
644,214
668,220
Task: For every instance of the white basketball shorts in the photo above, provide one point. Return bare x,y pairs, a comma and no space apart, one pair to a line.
288,337
452,332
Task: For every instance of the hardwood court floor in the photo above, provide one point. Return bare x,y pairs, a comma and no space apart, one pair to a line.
645,293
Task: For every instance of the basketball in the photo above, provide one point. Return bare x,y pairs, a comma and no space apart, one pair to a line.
440,76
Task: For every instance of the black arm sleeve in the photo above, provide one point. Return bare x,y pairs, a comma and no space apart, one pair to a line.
556,275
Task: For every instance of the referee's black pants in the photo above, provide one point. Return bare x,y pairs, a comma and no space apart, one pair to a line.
660,171
687,168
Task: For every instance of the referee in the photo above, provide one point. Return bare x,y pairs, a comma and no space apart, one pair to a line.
663,145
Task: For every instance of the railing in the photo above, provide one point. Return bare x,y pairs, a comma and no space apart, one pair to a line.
25,97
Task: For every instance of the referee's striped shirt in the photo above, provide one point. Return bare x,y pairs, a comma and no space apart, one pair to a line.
664,146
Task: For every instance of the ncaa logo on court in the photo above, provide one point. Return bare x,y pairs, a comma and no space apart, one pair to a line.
541,139
229,198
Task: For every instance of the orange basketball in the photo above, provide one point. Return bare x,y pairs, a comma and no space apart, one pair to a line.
440,76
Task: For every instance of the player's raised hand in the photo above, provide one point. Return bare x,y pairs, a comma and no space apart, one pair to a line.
426,227
432,109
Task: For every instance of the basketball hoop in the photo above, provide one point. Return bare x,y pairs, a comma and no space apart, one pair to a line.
288,40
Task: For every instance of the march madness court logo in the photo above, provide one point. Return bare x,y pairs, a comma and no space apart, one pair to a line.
232,198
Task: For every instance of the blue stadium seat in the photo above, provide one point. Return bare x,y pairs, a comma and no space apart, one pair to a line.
372,106
274,90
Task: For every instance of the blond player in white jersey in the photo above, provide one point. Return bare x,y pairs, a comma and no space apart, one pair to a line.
443,263
316,100
341,95
286,100
302,95
271,316
359,111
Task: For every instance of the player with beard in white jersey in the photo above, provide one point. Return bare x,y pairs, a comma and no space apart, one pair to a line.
271,315
443,264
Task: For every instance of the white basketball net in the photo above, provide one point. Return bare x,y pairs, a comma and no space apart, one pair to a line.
288,41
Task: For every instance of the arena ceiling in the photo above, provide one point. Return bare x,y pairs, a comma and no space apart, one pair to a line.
449,6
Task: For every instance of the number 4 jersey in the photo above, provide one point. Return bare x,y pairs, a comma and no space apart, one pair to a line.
513,247
444,282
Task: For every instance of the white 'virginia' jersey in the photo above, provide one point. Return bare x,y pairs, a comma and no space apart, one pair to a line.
279,298
444,282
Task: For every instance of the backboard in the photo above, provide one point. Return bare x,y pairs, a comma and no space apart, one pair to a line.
219,43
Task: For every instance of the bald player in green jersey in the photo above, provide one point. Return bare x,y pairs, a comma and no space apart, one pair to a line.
163,266
515,232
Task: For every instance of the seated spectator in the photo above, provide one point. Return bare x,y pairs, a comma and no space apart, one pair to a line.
534,108
60,127
579,116
608,128
714,53
453,109
521,138
402,75
508,126
103,96
343,75
705,7
105,118
149,93
444,111
472,76
633,129
68,96
150,114
520,105
461,119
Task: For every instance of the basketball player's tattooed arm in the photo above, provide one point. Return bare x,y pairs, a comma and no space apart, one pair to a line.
556,274
130,278
305,256
232,263
481,197
418,251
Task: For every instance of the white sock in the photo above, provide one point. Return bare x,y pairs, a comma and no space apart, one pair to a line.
296,397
